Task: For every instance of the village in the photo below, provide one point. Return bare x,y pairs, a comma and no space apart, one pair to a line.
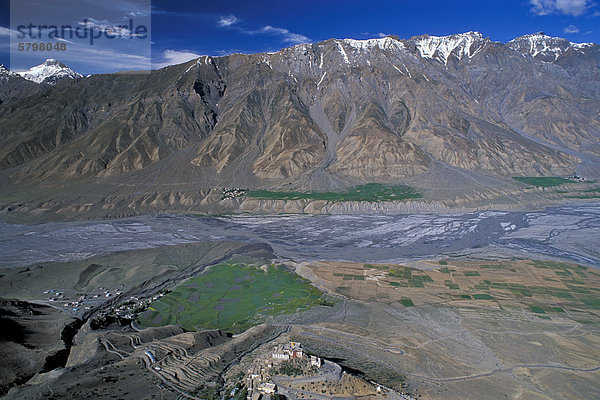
232,193
287,371
77,303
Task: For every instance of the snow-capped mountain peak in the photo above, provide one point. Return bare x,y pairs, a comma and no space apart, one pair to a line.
548,48
442,48
50,72
382,43
5,74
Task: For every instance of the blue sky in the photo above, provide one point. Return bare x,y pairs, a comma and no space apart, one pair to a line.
182,30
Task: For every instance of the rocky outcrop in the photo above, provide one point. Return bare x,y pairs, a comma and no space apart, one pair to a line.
32,340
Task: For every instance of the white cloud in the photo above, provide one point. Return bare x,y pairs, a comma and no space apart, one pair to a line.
574,8
106,58
120,31
134,8
6,35
139,13
6,32
227,52
571,29
63,40
227,21
100,60
288,37
382,35
174,57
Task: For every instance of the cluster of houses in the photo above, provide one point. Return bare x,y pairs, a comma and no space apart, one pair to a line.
258,379
55,295
128,309
287,351
230,193
84,301
576,178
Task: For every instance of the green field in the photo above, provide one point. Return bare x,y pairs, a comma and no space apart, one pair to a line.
451,285
406,302
370,192
542,181
232,297
411,277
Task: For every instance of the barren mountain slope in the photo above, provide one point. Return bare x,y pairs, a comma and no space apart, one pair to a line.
319,116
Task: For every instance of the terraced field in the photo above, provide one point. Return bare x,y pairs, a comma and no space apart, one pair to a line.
232,297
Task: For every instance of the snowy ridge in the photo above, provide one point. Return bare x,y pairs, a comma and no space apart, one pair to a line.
442,47
463,46
368,44
347,46
5,74
547,47
5,71
50,72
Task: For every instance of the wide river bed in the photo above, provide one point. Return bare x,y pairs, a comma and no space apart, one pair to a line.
570,233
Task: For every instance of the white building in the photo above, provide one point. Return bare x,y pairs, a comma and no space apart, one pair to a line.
315,361
281,355
267,387
294,349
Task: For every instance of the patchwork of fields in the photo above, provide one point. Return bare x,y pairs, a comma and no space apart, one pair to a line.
515,328
546,288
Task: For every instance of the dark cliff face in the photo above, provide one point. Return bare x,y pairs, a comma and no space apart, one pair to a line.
13,86
336,111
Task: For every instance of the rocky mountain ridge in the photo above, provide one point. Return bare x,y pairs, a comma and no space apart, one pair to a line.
320,116
548,48
5,74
